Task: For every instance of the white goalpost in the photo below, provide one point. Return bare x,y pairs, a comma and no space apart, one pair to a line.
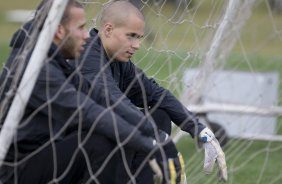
225,37
30,76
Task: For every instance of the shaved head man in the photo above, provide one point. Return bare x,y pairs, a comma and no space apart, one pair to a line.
126,89
115,12
121,29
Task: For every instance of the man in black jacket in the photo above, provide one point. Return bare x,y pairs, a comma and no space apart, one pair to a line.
125,88
64,136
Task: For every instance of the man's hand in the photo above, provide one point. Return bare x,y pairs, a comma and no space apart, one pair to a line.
169,160
213,153
158,175
174,168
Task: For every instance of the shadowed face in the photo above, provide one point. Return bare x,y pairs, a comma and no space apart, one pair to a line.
121,42
75,33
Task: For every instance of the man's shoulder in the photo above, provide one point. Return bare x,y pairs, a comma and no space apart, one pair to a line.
93,32
52,69
94,40
93,55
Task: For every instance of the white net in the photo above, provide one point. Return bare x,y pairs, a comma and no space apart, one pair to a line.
222,59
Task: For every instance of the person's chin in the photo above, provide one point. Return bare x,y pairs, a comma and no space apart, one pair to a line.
77,54
125,59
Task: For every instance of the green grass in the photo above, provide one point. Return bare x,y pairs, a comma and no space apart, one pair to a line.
248,162
174,49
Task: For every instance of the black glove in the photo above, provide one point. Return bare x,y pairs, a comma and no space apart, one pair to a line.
169,160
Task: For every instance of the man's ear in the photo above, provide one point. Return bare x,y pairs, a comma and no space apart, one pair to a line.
108,29
60,33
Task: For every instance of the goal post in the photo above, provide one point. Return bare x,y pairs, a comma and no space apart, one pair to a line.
227,34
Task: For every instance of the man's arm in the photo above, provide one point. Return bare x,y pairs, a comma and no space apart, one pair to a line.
146,91
95,67
53,92
143,90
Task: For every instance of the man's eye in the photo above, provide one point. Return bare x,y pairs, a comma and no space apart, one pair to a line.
134,36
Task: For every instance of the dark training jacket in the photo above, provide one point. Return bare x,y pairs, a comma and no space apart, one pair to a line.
127,87
58,103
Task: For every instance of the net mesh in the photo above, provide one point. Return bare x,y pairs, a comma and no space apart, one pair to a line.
218,52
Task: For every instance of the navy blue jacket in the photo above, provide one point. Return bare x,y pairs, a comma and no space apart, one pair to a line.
128,88
58,103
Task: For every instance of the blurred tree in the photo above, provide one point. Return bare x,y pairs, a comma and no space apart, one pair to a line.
276,5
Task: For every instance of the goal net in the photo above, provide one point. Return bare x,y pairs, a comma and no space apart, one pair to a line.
222,60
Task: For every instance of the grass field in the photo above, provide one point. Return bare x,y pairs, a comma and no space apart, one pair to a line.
248,162
258,50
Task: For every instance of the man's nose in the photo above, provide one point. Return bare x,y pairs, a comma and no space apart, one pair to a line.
136,43
86,35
